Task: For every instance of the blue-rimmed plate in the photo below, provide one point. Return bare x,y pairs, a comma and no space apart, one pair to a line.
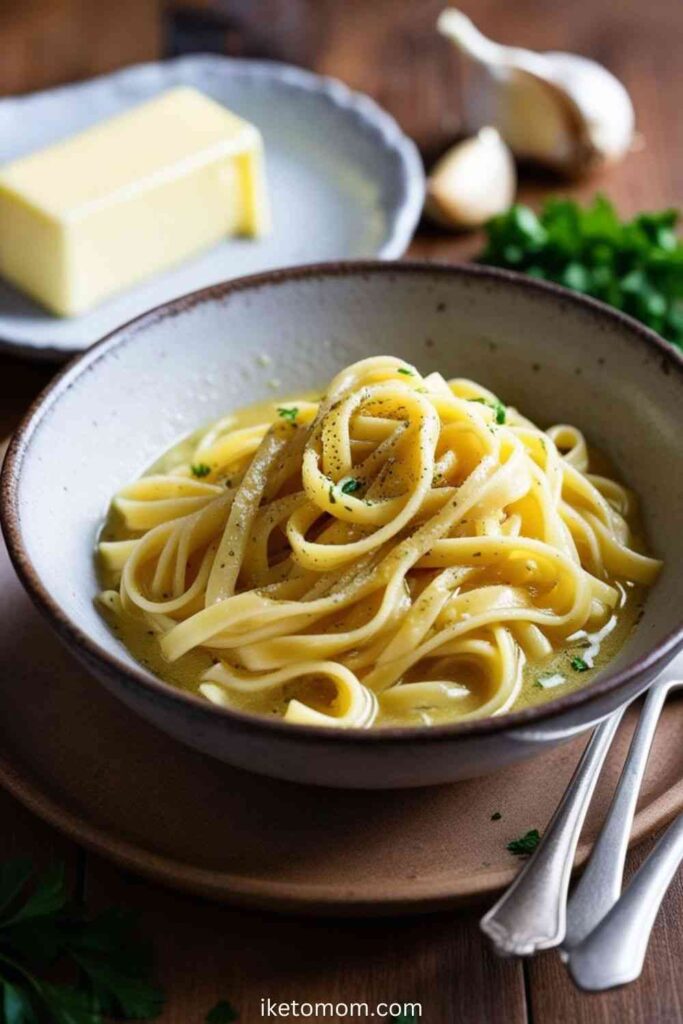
344,180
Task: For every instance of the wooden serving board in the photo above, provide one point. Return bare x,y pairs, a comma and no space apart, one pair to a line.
82,761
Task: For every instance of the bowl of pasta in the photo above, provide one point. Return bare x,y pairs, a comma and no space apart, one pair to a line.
361,525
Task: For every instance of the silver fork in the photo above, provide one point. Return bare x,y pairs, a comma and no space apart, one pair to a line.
598,927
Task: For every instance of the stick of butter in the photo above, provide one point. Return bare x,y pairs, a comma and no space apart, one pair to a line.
126,198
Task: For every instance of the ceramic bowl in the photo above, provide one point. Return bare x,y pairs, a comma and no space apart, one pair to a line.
555,355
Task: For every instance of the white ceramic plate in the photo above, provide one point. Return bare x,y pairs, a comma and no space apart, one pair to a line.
344,181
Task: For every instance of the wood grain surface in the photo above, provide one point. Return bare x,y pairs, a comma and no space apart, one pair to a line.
389,49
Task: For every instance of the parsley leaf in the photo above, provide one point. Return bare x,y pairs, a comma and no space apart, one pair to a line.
526,844
14,874
15,1004
116,964
200,469
39,929
634,265
222,1013
498,408
289,414
48,897
579,665
351,485
65,1004
406,372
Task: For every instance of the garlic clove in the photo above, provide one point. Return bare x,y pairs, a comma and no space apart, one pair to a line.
472,182
558,109
603,100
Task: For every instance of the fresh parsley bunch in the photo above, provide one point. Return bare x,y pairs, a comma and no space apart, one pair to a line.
40,932
635,265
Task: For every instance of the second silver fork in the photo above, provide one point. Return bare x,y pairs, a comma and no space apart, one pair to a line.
533,914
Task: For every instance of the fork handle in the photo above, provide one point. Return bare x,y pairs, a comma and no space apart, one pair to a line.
599,887
531,914
614,952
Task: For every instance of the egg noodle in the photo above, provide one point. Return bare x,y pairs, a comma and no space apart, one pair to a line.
396,552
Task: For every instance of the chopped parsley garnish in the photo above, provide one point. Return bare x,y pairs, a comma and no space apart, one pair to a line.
634,265
289,414
499,409
106,967
496,816
200,469
351,485
333,500
405,371
222,1013
526,844
579,665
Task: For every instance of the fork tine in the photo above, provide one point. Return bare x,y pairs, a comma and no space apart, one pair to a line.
600,885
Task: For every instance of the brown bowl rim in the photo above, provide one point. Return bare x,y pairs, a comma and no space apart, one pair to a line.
193,705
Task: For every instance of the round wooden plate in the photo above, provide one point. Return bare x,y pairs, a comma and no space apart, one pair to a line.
82,761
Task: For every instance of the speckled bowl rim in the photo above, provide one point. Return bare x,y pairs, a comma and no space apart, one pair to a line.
192,705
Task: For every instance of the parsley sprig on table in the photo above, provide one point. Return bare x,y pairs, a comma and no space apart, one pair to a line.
526,844
222,1013
635,265
40,930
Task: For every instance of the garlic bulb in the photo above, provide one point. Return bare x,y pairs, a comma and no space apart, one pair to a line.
557,109
472,182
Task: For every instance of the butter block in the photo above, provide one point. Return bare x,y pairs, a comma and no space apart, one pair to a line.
133,195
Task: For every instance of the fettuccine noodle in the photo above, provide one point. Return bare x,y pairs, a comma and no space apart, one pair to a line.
404,550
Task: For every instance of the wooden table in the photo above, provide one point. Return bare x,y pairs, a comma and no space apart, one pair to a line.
388,48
